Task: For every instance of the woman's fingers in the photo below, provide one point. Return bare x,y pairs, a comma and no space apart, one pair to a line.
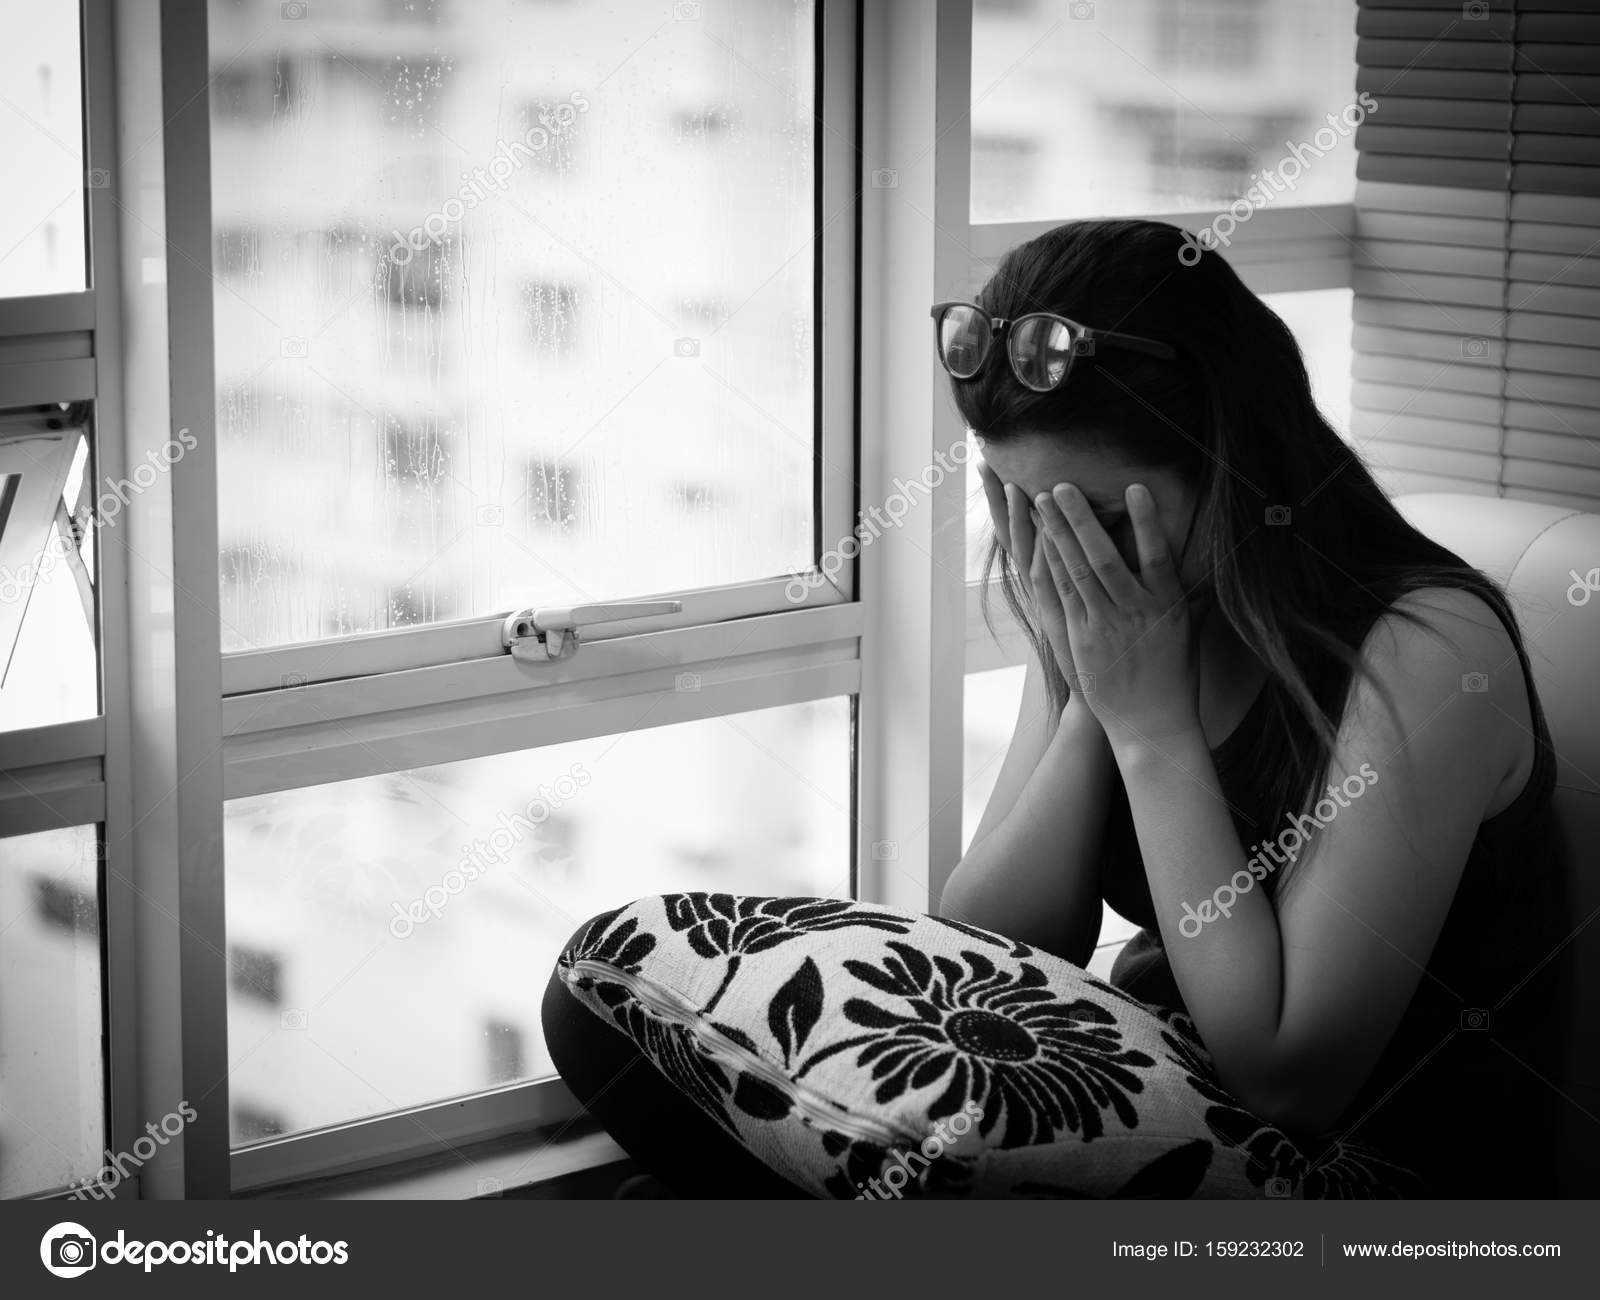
1055,596
1157,570
1080,574
1060,581
995,492
1110,569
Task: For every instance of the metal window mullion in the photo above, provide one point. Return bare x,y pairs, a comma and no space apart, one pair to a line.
1249,241
126,1107
46,315
47,344
52,796
502,675
320,754
838,133
916,234
374,654
196,626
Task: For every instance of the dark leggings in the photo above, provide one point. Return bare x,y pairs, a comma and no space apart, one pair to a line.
666,1134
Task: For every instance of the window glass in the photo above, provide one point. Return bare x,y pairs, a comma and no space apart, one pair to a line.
52,1112
390,937
989,705
42,245
49,669
514,305
1087,108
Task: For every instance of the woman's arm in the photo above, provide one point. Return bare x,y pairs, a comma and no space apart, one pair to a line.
1297,1002
1031,869
1297,999
1031,872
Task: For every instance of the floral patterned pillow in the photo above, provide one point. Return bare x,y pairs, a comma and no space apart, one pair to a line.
869,1053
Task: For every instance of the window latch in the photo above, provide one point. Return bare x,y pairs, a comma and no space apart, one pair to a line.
549,633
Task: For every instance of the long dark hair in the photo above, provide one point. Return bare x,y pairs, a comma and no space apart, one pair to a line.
1305,550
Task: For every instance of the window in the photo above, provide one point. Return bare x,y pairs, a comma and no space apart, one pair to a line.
1162,106
543,317
65,492
413,907
52,1127
1218,36
499,326
47,559
42,231
551,316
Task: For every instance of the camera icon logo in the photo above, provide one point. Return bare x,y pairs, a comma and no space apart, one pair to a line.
1279,1188
1277,514
1475,10
293,11
1081,9
686,682
490,1187
68,1250
1476,683
1474,1018
1475,348
686,11
98,177
686,347
885,850
292,681
293,1019
490,516
294,346
1081,682
885,178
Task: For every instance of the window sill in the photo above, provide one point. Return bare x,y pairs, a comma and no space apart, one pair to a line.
503,1167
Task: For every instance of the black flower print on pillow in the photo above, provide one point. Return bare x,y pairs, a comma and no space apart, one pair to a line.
728,925
732,926
997,1038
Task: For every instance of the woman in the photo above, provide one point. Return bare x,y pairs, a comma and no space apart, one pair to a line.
1270,722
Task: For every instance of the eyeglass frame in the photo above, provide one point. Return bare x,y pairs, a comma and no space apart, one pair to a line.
1001,327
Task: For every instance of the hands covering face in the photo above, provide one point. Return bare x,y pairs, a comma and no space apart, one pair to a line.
1122,640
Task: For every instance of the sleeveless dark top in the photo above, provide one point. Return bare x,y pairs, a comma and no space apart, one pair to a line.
1445,1099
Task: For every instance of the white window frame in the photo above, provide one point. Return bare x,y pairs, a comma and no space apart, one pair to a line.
302,715
66,347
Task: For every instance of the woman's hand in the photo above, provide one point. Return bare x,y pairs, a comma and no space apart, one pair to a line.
1129,637
1013,526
